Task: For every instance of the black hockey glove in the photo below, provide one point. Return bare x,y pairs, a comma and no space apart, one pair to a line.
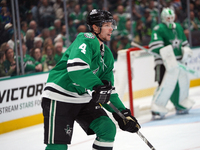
102,93
130,124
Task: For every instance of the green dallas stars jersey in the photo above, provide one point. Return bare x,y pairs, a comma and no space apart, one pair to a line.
162,36
80,69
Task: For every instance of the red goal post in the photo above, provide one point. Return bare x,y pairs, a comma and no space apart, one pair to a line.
129,72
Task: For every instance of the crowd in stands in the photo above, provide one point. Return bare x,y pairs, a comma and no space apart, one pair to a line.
43,28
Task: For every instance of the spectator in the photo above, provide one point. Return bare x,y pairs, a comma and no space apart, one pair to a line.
123,43
24,27
122,17
149,23
58,51
70,6
81,28
153,10
38,43
5,16
197,8
76,15
10,61
3,71
37,55
33,25
72,30
136,14
63,35
5,34
52,32
29,64
48,58
194,24
57,5
88,9
29,16
170,4
115,37
142,7
138,37
128,29
34,9
45,34
29,40
11,41
89,2
58,9
46,14
3,4
57,25
4,46
47,41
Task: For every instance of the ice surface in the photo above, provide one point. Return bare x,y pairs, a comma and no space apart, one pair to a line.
175,132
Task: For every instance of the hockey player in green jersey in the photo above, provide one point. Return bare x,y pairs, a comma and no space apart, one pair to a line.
87,65
169,41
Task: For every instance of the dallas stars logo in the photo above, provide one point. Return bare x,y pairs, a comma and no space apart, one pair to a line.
176,42
68,130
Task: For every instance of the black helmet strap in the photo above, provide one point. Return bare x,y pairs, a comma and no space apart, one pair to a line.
97,35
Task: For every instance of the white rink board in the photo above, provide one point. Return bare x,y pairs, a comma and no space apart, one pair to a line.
20,97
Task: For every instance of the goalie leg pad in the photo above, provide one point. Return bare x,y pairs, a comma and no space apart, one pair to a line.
184,84
163,93
168,58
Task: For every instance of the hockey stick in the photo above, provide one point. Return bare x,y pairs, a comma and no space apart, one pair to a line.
184,67
138,132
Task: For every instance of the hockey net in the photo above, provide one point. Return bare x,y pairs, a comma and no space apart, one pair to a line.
134,75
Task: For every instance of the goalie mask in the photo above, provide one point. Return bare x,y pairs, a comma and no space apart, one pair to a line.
168,17
98,17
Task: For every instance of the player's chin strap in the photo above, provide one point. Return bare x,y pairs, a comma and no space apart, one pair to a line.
97,35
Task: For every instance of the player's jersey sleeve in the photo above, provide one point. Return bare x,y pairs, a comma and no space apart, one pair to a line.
83,53
109,76
157,41
183,36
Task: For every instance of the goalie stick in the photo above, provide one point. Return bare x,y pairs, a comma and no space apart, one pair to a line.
184,67
138,132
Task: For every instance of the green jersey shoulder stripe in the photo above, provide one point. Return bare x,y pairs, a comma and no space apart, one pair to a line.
76,64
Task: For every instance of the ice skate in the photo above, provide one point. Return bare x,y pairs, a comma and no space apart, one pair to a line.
182,112
157,115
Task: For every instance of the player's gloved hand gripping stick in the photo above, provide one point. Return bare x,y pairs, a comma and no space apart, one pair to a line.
136,129
129,124
101,94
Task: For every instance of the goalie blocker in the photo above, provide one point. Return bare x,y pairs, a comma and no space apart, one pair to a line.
174,85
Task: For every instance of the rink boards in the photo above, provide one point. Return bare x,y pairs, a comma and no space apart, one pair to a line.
20,102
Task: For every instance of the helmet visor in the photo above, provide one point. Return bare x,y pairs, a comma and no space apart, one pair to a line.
112,24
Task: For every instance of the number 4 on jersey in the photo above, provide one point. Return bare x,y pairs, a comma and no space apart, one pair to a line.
83,48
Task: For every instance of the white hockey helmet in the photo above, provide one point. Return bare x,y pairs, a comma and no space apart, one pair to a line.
168,17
